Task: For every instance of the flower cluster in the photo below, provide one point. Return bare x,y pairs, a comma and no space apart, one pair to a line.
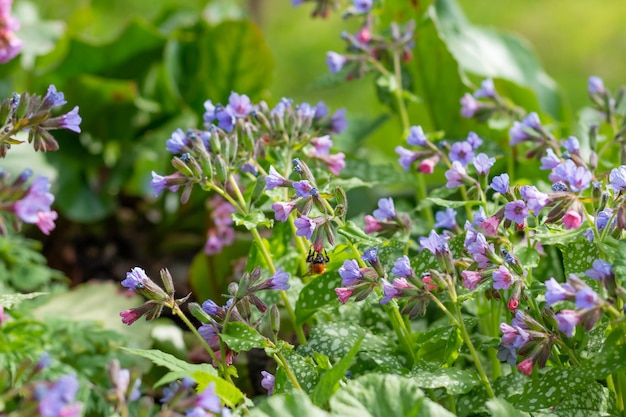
385,221
179,397
10,44
221,232
58,398
26,201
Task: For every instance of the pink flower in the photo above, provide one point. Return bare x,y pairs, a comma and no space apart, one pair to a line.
526,366
513,303
490,226
428,281
471,279
343,294
46,221
572,219
427,166
129,316
371,224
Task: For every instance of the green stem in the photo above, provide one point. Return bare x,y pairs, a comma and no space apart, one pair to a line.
283,295
178,312
280,358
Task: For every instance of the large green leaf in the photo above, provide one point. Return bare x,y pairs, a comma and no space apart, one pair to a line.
376,395
488,53
212,62
286,405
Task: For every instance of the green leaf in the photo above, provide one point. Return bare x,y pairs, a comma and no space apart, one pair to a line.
230,394
9,301
285,405
499,407
377,395
453,204
453,380
356,235
170,362
233,55
317,294
578,256
328,382
528,257
240,337
252,220
488,53
303,369
440,345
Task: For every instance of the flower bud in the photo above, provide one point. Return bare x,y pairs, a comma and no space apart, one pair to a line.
196,310
168,282
220,168
275,319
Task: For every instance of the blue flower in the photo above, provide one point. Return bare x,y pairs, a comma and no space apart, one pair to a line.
370,255
500,183
520,131
335,61
567,321
595,86
135,279
274,179
617,178
362,6
268,382
386,209
571,144
550,161
178,143
305,227
455,175
462,152
211,307
350,272
483,163
446,219
416,136
239,105
474,140
555,292
402,267
435,243
53,98
486,90
600,270
303,188
586,298
57,400
407,157
516,211
469,105
278,281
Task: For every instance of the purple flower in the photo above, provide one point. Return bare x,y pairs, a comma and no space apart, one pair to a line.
306,110
563,171
303,188
567,321
70,121
208,399
178,143
338,122
462,152
535,199
322,144
600,270
389,291
350,272
502,278
135,279
471,279
483,163
56,401
617,178
571,144
225,118
211,307
305,227
370,255
209,114
500,183
516,211
321,110
239,105
469,105
53,98
37,200
555,292
278,281
446,219
402,267
282,210
474,140
407,157
385,210
519,132
362,6
580,179
486,90
335,61
587,298
416,136
435,243
274,179
455,175
603,217
268,382
595,86
550,161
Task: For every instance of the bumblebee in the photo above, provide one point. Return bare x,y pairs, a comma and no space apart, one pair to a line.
317,261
